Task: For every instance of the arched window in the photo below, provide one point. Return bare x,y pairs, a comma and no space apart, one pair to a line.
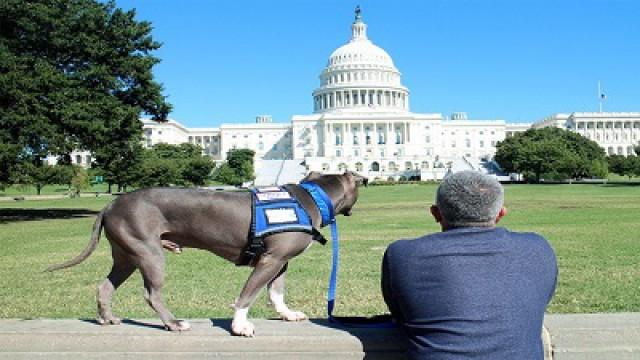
407,165
325,167
620,150
610,150
393,166
359,166
342,167
375,166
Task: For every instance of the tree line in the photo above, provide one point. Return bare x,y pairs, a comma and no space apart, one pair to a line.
557,154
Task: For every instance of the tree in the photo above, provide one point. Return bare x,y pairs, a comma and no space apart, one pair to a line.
74,74
238,168
624,165
197,171
120,163
552,153
166,164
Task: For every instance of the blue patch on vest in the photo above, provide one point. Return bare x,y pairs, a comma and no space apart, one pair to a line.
275,210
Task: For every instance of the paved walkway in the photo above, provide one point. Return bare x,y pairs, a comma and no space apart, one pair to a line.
581,336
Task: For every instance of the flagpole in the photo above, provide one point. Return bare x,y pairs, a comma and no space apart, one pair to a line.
599,96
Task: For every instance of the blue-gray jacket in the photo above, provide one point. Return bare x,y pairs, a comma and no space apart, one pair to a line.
471,293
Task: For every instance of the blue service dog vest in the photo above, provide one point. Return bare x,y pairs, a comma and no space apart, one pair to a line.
275,210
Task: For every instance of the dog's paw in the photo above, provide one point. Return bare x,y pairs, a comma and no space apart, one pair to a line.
242,328
108,321
178,325
291,315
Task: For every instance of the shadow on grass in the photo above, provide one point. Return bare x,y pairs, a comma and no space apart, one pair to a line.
15,215
621,184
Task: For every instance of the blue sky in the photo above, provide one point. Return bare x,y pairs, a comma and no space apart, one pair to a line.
517,60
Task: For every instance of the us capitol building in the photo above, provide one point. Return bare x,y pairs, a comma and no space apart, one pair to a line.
361,121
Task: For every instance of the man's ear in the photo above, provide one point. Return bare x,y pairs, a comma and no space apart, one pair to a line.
435,212
501,214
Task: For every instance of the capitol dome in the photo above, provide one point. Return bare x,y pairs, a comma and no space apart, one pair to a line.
360,76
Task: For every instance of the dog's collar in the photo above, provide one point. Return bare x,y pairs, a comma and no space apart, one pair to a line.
322,200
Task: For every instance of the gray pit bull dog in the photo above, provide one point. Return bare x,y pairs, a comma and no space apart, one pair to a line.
140,224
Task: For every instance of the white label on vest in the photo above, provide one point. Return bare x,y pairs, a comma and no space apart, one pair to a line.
275,195
268,189
281,216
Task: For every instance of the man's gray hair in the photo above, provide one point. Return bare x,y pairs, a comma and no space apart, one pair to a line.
469,198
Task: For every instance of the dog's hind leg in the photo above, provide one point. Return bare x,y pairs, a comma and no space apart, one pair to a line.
152,265
120,271
276,297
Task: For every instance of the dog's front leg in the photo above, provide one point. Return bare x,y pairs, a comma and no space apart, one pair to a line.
276,296
265,270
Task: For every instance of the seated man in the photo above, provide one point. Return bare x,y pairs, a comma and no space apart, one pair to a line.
473,291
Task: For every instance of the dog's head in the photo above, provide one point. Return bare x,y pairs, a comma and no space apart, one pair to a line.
341,188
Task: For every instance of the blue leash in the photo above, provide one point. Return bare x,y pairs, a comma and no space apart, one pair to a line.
360,322
323,202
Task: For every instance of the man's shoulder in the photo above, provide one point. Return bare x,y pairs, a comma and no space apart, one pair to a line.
410,244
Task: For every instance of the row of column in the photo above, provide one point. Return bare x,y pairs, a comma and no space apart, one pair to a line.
396,132
612,134
585,124
361,97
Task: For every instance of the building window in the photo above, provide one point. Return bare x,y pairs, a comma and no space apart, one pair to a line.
356,152
342,167
481,143
325,167
425,165
375,166
355,139
393,166
338,153
78,159
260,145
359,166
467,143
338,139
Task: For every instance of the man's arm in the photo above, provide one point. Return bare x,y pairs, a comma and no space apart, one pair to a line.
387,292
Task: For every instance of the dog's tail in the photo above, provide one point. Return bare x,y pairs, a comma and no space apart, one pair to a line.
93,243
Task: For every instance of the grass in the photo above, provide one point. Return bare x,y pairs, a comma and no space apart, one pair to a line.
593,229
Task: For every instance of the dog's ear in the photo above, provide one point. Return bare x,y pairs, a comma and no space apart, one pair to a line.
357,178
312,175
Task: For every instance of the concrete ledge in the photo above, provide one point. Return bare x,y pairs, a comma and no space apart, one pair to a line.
595,336
577,336
146,339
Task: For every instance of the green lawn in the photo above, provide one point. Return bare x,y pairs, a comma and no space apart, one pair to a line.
593,228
